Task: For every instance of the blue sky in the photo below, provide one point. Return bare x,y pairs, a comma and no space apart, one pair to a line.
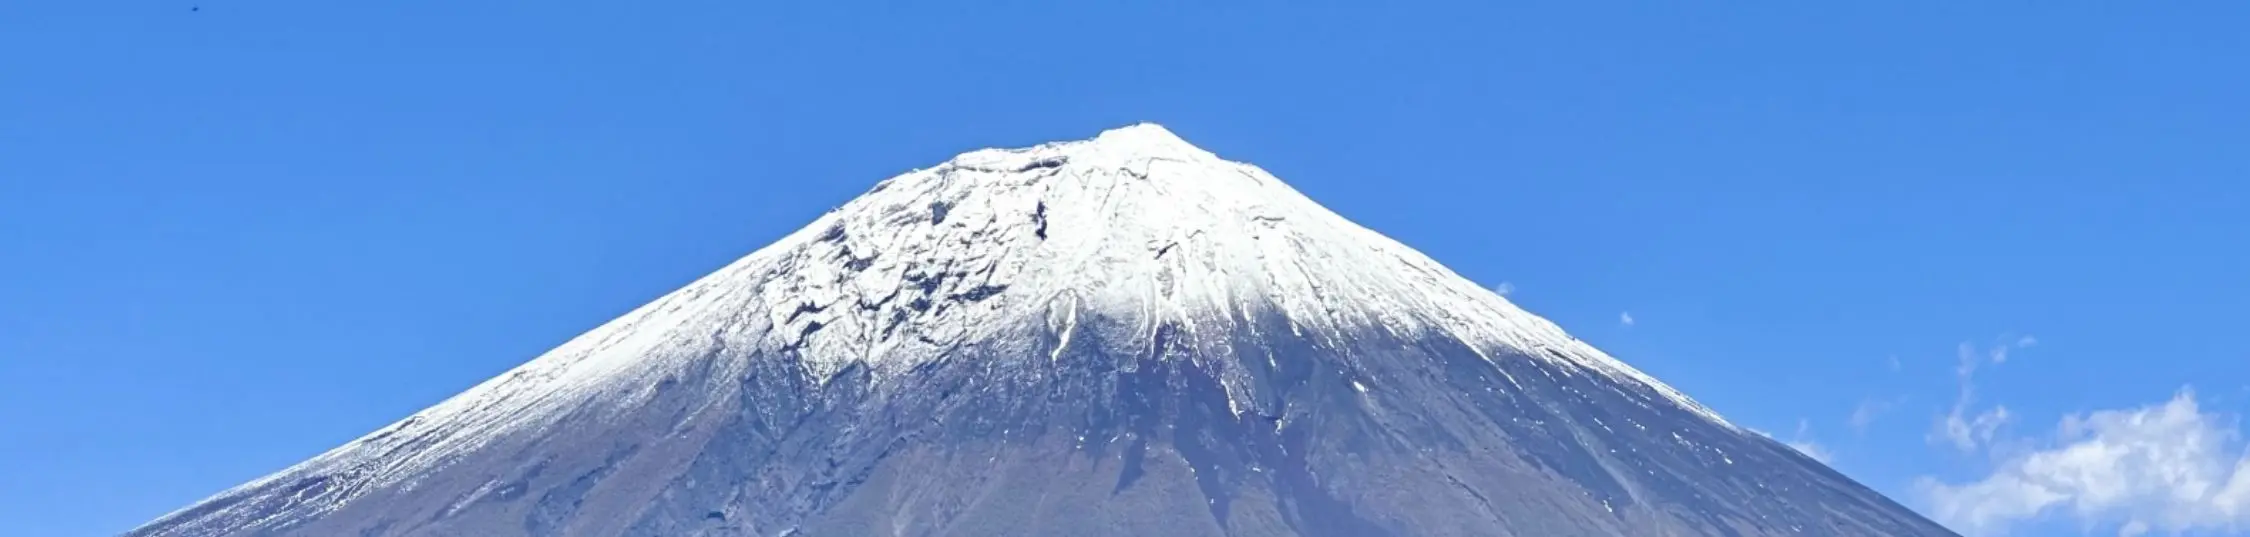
238,236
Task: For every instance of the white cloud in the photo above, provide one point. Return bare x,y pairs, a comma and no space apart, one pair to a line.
1813,450
1967,433
1625,318
2168,467
1895,364
1963,426
1802,443
1504,289
1868,410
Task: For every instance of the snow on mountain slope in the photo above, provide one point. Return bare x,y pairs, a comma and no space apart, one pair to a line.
776,394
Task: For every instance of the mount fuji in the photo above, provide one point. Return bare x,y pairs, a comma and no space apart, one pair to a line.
1126,335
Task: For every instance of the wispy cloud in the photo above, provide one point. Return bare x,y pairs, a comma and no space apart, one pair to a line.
1870,409
1625,318
1813,450
1504,289
1803,443
2164,467
1968,433
1964,427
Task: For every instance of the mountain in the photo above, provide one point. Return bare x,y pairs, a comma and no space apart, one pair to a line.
1120,336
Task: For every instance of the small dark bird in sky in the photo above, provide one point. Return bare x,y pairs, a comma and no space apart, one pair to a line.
195,8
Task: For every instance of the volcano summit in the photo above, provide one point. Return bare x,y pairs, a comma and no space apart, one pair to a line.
1119,336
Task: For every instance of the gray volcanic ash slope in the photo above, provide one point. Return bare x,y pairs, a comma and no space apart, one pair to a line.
1119,336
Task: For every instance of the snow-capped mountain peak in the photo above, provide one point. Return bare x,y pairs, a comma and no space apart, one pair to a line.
1090,289
1133,224
1148,139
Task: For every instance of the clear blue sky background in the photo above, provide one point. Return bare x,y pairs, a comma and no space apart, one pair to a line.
236,237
